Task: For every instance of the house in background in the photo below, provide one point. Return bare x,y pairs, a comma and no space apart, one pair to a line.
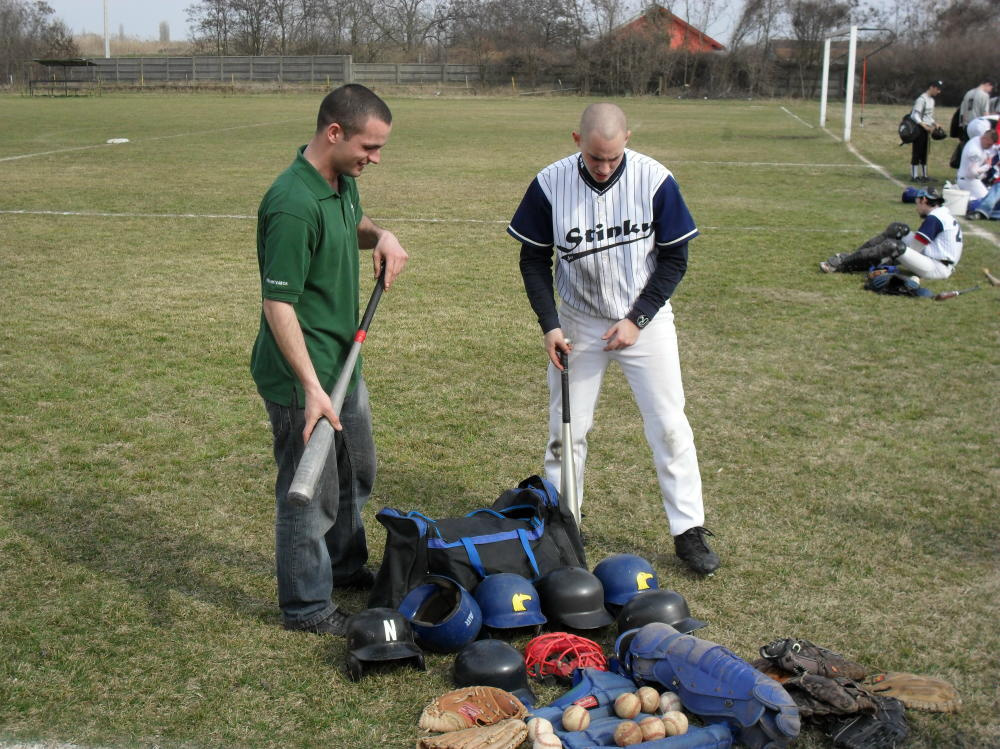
657,20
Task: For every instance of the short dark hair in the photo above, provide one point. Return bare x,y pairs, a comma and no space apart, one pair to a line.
351,106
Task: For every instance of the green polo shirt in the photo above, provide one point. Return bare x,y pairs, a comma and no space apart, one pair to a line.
307,251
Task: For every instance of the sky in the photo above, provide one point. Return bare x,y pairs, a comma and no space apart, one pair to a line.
141,18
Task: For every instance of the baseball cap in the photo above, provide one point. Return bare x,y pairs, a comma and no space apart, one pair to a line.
931,194
936,84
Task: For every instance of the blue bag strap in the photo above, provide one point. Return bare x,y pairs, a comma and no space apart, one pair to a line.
470,549
486,510
526,545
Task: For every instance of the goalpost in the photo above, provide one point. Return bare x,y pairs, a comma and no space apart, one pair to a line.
852,49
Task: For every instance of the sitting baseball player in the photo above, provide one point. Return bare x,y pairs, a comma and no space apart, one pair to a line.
932,252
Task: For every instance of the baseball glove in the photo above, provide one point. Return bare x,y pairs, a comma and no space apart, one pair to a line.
507,734
470,706
819,695
917,692
801,657
938,133
884,729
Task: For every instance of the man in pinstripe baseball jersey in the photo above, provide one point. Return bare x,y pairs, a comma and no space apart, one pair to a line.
619,229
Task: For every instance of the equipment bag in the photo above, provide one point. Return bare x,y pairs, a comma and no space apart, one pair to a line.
886,279
908,129
955,126
526,531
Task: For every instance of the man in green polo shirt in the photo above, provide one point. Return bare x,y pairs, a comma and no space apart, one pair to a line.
310,228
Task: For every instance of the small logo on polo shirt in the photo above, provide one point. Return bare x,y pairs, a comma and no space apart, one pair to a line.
275,282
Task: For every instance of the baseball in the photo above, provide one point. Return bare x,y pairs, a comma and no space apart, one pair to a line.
627,706
575,718
628,733
547,741
539,727
649,699
669,702
652,728
675,723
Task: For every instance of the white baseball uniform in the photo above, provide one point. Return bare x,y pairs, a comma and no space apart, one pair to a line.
621,249
974,164
935,248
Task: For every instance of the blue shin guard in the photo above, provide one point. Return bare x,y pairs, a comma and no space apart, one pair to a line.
712,682
601,734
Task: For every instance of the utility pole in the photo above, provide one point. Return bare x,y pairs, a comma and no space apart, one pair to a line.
107,39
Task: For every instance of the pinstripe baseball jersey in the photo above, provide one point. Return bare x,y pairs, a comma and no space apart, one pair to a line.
607,235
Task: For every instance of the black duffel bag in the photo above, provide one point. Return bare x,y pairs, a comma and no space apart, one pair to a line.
526,531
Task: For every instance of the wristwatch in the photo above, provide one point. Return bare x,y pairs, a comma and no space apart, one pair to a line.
640,319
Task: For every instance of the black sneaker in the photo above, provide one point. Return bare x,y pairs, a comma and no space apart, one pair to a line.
335,624
363,579
692,549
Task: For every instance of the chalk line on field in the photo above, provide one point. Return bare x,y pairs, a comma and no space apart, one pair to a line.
792,114
144,140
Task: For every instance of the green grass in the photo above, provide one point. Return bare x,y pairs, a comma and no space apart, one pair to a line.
848,442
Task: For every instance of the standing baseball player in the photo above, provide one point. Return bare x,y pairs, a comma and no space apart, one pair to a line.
619,229
310,228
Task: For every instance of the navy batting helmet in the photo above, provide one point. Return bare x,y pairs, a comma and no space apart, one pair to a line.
623,576
444,616
508,601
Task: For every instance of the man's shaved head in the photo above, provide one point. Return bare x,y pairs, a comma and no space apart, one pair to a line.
604,120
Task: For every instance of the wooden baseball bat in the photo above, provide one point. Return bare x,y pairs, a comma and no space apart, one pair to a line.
952,294
568,476
994,281
317,449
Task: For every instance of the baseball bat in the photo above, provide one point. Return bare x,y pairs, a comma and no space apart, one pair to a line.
952,294
994,281
568,477
317,449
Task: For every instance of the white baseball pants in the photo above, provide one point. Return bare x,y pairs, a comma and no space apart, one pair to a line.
652,369
920,265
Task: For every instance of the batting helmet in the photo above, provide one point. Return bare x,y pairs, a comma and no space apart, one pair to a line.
508,601
379,635
493,663
624,575
574,597
444,616
666,606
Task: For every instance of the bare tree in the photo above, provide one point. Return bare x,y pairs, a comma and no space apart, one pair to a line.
28,30
209,21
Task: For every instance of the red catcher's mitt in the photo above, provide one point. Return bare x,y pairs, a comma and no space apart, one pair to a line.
558,653
470,706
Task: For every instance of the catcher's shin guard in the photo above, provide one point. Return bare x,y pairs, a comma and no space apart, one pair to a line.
863,258
715,684
593,689
601,733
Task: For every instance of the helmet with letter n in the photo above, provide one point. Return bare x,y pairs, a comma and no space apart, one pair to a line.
380,635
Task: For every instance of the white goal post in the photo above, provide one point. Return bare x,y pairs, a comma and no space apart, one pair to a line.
852,53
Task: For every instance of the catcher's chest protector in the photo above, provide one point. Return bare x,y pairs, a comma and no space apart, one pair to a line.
594,689
715,684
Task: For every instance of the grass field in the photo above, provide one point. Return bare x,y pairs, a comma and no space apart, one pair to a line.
848,442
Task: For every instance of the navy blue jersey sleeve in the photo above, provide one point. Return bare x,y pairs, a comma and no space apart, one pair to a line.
671,264
532,222
536,272
674,224
929,229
